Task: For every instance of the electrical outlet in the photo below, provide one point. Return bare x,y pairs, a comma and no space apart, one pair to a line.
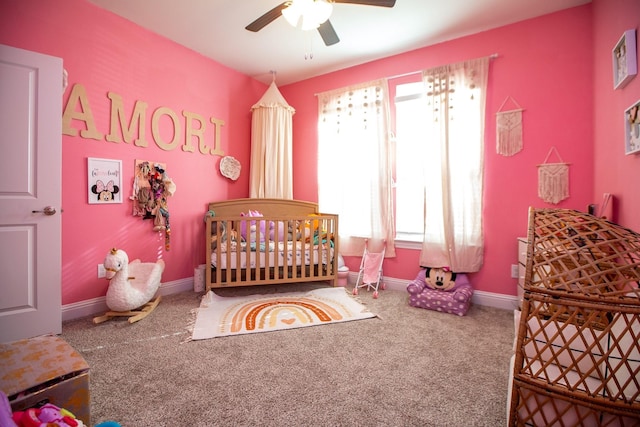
514,271
102,273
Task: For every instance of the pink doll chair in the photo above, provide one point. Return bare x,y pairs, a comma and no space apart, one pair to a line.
440,290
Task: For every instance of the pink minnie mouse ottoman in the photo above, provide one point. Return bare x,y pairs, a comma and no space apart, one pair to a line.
441,290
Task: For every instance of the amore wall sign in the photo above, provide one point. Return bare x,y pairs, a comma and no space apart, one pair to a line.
195,124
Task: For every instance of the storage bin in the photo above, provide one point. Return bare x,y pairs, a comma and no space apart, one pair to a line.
199,274
45,369
343,276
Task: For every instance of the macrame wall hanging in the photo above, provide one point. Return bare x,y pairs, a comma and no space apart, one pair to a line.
509,129
553,179
151,190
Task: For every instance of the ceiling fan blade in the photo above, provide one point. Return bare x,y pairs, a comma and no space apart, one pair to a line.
381,3
267,18
328,34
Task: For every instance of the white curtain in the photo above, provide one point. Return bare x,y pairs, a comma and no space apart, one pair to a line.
454,176
271,140
354,165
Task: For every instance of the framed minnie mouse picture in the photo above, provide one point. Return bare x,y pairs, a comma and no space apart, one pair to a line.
104,181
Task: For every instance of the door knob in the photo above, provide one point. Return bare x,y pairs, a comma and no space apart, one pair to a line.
49,210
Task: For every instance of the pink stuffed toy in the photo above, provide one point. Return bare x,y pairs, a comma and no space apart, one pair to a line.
47,415
250,236
282,229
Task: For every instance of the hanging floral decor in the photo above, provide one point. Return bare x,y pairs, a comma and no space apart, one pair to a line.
151,189
553,179
509,129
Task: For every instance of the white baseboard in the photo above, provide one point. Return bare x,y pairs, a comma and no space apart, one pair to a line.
489,299
98,305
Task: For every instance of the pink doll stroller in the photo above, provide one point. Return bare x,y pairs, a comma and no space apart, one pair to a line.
371,270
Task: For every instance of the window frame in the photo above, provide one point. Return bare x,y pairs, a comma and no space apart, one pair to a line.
402,240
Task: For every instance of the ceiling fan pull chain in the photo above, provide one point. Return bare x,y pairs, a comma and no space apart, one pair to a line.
309,55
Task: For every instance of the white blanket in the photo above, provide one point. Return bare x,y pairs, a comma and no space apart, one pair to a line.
272,255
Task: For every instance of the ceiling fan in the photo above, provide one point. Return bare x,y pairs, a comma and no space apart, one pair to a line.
324,27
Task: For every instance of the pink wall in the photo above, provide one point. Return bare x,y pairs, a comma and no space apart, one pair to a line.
615,172
106,53
545,64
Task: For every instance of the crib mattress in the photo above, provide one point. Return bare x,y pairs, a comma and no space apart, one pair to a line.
252,255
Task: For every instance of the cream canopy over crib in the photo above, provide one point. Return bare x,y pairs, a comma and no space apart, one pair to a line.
271,142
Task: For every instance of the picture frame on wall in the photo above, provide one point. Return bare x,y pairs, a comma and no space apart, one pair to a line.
632,128
104,181
625,63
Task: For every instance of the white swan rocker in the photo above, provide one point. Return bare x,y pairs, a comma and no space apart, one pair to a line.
132,286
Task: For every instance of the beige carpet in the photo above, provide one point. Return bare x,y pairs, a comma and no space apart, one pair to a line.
406,367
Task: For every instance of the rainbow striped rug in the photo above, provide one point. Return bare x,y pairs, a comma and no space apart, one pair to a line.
223,316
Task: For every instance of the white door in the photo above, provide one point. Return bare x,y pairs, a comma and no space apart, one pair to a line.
30,194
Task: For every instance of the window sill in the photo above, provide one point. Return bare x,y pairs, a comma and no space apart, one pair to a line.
403,243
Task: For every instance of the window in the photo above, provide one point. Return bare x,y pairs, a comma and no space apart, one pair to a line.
410,160
437,161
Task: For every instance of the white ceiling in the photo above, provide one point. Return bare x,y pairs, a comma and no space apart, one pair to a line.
216,29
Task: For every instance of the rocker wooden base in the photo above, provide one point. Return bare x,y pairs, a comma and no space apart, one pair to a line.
133,315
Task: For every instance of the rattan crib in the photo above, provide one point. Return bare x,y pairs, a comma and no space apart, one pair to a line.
577,351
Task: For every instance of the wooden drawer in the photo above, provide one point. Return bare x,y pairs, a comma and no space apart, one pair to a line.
522,265
522,250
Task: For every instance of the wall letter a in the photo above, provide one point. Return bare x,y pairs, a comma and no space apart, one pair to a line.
79,94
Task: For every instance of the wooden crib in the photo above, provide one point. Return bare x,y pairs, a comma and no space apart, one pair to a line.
290,242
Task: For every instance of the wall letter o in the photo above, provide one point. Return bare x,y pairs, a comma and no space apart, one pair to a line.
155,128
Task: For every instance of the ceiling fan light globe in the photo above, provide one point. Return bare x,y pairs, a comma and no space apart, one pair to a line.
292,14
307,14
309,23
322,10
